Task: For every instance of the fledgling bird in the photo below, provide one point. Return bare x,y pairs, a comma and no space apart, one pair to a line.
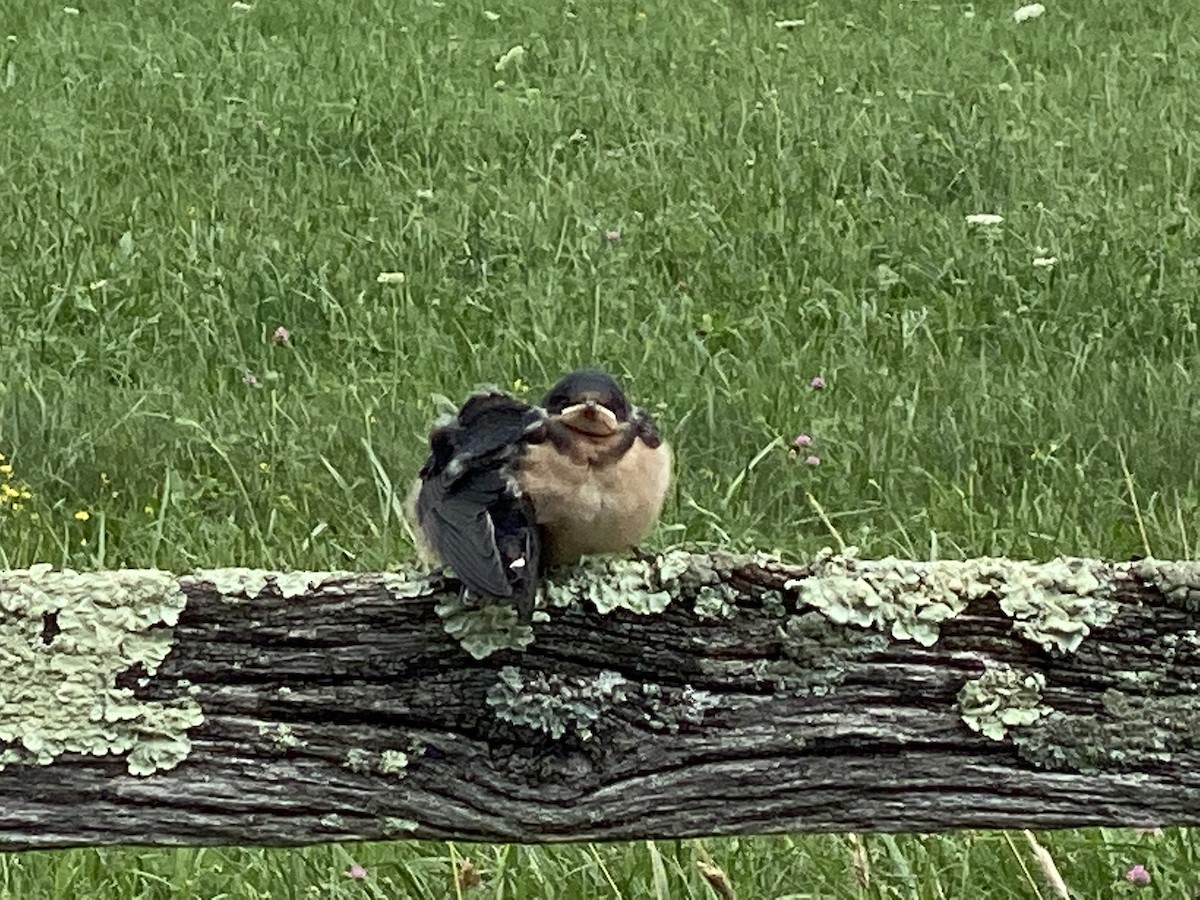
509,489
597,471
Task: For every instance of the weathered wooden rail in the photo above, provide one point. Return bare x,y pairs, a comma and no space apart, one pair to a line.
675,696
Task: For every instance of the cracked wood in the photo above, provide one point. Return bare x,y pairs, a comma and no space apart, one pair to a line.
344,711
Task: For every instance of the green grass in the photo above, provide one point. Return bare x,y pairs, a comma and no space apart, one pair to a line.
179,179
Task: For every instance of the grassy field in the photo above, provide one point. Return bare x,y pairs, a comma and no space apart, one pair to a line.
717,208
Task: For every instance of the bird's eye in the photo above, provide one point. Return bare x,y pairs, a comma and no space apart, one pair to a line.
617,407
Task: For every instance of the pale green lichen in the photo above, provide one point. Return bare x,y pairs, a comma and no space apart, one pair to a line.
394,826
281,735
645,586
409,585
393,762
332,822
674,565
1157,666
296,584
669,708
1001,699
250,584
233,583
1055,604
357,760
694,703
609,584
1178,580
907,599
1127,732
483,630
773,604
817,655
59,693
715,602
363,762
555,704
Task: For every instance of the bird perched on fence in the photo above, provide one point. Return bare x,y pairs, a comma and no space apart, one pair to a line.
510,488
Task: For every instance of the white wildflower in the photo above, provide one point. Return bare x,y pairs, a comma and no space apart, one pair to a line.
1028,11
491,16
513,55
984,219
788,23
71,10
424,194
390,278
241,7
1045,262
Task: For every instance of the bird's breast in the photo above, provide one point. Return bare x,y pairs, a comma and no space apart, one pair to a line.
589,503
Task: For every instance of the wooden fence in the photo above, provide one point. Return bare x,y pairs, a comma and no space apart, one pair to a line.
673,696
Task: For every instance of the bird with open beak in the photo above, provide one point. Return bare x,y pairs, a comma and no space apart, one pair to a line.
509,489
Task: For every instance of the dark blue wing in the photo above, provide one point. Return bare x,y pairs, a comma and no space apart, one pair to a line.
469,506
456,516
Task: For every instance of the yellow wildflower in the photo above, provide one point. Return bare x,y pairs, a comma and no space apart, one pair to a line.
82,515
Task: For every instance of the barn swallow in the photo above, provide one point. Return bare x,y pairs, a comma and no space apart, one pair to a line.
597,470
509,489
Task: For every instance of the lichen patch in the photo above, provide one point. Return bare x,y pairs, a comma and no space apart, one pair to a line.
233,583
61,696
1055,604
907,599
556,704
1129,731
483,630
610,584
1178,580
816,657
1001,699
408,585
